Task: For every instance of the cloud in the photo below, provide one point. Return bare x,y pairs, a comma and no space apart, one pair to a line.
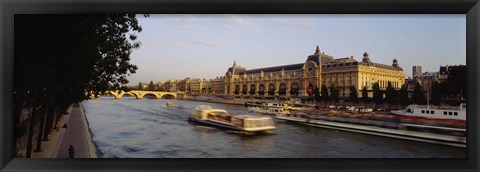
213,43
237,23
191,27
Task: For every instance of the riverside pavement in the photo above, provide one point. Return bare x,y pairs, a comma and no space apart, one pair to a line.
77,134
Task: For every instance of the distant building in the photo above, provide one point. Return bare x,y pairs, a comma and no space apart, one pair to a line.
171,85
184,85
197,86
416,70
318,69
217,85
161,85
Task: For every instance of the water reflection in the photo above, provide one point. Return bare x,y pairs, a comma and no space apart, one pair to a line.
146,128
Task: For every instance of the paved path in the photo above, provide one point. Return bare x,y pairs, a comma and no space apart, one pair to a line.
76,134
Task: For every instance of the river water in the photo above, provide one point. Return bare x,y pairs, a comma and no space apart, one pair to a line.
146,128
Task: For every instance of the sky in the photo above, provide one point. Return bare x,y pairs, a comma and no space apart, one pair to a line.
176,46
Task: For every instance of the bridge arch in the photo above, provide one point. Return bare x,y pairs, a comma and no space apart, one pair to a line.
168,96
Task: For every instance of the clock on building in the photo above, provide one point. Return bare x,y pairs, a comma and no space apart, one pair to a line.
310,67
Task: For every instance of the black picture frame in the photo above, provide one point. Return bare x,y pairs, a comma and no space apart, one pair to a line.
9,8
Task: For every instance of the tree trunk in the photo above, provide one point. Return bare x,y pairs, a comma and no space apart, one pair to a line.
49,123
30,132
41,128
16,122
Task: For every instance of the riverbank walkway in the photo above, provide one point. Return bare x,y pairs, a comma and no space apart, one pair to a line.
76,134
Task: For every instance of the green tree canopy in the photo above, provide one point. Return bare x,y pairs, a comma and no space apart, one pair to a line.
418,96
365,98
325,96
403,95
316,94
59,59
377,94
140,86
151,86
390,94
353,94
334,93
437,93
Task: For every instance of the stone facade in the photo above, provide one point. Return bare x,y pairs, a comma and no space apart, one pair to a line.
198,86
217,85
319,69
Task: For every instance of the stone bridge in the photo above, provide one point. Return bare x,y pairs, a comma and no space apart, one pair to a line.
118,94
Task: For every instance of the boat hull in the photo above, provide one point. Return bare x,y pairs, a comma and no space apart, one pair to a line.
227,127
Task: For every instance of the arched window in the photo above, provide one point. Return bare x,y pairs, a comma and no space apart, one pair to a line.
294,89
261,90
282,89
252,89
244,89
271,89
237,89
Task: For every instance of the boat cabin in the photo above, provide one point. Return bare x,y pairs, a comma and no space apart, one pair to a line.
252,122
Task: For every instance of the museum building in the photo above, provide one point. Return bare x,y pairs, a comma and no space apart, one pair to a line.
318,69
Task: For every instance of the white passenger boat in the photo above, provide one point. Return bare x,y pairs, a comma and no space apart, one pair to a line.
220,118
435,112
269,111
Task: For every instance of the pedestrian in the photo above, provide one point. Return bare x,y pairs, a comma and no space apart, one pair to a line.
65,125
71,152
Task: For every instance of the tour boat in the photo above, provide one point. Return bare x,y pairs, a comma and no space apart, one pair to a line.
434,112
220,118
269,111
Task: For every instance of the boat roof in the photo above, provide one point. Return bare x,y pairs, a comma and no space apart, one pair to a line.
251,117
208,108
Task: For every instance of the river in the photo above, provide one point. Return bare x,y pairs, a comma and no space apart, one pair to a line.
146,128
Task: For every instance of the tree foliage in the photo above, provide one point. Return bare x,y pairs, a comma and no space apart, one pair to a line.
151,86
456,82
418,96
140,86
403,95
353,94
365,98
60,58
390,94
316,94
325,96
437,93
377,94
334,93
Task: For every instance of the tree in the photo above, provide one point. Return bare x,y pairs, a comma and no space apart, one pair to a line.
334,93
316,94
418,96
365,98
437,93
377,94
353,94
403,96
325,96
151,86
390,95
456,82
69,55
140,86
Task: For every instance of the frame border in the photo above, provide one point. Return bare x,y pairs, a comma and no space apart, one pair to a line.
9,8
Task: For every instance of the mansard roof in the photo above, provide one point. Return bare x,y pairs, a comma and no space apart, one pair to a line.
275,68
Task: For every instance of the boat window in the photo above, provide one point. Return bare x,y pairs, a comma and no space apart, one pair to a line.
444,112
432,112
410,110
423,111
449,113
455,113
428,112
